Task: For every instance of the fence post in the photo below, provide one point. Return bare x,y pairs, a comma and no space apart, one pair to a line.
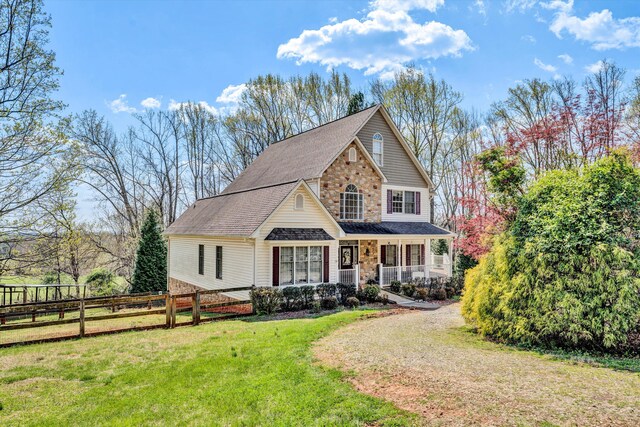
173,311
196,307
167,304
24,295
81,318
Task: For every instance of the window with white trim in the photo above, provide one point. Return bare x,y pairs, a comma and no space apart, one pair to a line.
299,202
397,201
351,203
352,155
300,264
409,202
378,142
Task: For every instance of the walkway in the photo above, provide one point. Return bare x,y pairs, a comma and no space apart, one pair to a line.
409,303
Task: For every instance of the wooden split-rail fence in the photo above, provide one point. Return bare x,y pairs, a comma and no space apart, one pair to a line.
25,316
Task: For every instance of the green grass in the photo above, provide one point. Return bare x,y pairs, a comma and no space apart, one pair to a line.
229,373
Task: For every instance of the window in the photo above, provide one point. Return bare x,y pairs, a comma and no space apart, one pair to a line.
409,202
352,155
390,258
218,262
299,202
378,141
300,265
396,198
415,255
351,203
200,259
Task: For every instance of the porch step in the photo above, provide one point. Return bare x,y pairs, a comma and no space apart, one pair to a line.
409,303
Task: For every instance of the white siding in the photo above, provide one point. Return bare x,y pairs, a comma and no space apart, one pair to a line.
312,216
237,261
314,184
424,205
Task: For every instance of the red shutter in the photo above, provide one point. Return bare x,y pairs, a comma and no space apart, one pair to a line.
276,266
417,203
325,265
408,255
389,201
383,254
422,259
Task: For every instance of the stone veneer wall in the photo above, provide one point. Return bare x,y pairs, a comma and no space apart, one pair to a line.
179,287
368,264
360,173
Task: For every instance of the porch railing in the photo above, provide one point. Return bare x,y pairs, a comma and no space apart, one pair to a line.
406,273
350,276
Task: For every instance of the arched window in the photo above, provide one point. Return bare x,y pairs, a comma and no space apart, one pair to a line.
378,142
351,203
299,202
352,155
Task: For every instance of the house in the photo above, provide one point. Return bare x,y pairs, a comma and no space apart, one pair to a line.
344,202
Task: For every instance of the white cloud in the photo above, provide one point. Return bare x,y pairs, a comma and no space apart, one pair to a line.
518,5
150,103
566,58
231,94
174,105
381,43
600,29
595,67
120,105
480,7
529,38
545,67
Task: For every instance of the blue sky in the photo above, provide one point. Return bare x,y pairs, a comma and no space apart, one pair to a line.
193,50
117,54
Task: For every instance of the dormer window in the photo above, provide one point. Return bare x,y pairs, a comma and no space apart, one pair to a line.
353,156
378,143
351,204
299,202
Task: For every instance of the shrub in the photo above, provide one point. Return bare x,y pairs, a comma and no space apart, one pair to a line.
265,300
383,299
352,302
395,286
101,282
346,291
370,293
440,294
565,272
329,303
409,289
316,307
372,282
421,294
307,294
292,298
325,290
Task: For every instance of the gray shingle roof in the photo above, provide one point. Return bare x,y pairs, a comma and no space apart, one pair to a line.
392,227
298,234
233,214
303,156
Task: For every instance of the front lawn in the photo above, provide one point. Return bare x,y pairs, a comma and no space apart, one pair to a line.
228,373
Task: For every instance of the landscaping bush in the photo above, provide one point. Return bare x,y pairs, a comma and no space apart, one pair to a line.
307,294
370,293
101,282
440,294
265,300
292,298
566,271
325,290
421,294
346,291
372,282
352,302
395,286
329,303
409,289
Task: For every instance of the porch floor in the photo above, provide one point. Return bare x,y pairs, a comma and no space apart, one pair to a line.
409,303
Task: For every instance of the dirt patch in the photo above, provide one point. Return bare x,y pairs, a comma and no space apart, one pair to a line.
425,363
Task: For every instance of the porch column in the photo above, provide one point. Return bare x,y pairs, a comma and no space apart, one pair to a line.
450,266
399,263
428,261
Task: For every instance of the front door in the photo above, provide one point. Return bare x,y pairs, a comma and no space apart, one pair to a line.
346,257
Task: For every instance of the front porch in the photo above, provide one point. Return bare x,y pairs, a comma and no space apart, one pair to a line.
386,260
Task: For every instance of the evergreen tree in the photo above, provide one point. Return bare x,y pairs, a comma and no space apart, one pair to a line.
356,103
150,273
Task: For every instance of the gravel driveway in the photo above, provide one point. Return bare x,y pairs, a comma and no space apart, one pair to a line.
426,363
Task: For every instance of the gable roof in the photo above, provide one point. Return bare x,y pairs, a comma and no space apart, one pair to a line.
236,214
303,156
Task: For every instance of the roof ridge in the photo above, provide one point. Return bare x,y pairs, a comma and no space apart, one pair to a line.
248,189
